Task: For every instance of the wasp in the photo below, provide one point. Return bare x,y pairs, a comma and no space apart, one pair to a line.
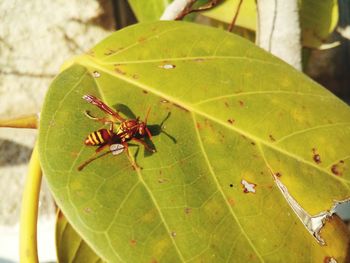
116,138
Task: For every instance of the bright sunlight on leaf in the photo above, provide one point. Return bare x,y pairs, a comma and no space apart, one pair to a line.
240,137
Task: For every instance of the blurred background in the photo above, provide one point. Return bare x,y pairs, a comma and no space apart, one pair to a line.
37,36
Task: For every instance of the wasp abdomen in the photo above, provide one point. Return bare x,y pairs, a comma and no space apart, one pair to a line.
98,137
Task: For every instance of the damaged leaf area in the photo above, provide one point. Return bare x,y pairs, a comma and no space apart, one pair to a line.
249,151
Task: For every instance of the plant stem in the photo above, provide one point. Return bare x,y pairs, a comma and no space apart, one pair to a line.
174,9
230,26
28,122
29,211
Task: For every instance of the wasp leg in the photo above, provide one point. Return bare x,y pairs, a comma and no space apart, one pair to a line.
94,156
102,106
133,162
144,144
101,120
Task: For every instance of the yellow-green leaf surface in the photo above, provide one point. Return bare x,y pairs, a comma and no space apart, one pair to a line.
69,245
233,114
150,10
317,18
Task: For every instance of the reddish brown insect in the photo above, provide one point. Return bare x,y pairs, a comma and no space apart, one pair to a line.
115,138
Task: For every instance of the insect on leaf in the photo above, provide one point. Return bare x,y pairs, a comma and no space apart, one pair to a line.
249,150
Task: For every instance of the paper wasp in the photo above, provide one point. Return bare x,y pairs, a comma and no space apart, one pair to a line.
116,138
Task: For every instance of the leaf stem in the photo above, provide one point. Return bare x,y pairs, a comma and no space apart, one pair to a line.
29,211
29,122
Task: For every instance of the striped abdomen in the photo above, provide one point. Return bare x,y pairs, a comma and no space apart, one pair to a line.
98,137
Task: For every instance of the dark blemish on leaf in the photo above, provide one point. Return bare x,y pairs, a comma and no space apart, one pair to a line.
278,174
180,107
134,76
162,180
230,121
198,125
241,103
173,234
133,242
188,210
261,172
142,39
119,71
199,59
338,169
160,171
248,187
329,260
168,66
109,52
226,104
252,143
316,156
272,138
145,91
96,74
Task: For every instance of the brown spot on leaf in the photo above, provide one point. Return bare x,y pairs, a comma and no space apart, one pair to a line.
226,104
230,121
241,103
133,242
142,39
134,76
231,201
162,180
119,71
338,168
272,138
188,210
278,174
198,125
199,59
252,143
109,52
316,156
329,260
145,91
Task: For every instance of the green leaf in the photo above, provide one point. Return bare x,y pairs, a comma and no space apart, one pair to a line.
70,246
238,115
150,10
317,18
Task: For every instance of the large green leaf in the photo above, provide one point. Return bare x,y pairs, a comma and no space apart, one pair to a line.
317,18
70,247
150,10
237,114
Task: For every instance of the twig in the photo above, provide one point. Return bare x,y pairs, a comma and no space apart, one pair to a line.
174,9
230,26
29,211
178,9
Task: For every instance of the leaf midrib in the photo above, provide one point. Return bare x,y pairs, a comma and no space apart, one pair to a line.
89,62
